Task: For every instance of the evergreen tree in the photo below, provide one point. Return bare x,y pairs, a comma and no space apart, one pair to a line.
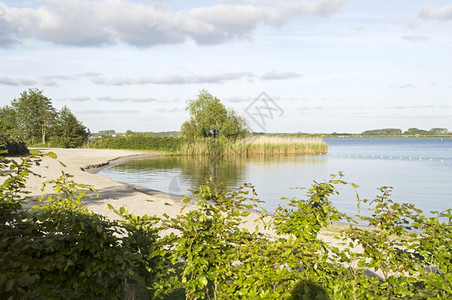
34,115
8,123
67,131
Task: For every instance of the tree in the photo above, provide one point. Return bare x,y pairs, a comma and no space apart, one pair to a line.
67,131
438,131
416,131
8,123
34,114
384,131
107,132
210,118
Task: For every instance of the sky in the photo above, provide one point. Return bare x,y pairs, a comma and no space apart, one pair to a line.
312,66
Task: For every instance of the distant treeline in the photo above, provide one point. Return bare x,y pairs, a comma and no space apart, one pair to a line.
411,132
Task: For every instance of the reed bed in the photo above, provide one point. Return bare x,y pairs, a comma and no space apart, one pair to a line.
262,145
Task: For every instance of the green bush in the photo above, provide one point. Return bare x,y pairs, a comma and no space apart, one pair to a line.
223,260
58,249
12,145
137,141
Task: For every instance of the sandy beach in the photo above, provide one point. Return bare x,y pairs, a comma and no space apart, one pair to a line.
82,163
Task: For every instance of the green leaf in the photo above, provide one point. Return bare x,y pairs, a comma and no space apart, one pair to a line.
52,155
203,280
34,152
9,285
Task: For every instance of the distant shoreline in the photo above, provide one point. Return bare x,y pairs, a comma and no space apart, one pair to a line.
390,136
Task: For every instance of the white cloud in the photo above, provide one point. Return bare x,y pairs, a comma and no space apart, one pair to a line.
407,86
143,100
416,38
5,80
169,110
437,13
79,99
75,99
97,23
59,77
237,99
280,75
176,79
111,99
103,111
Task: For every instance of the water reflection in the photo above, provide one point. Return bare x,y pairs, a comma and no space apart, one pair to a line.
177,174
274,177
174,173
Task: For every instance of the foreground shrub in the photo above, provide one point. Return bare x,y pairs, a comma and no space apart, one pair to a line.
58,249
222,259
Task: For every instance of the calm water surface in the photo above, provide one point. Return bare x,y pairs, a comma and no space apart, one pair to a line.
419,170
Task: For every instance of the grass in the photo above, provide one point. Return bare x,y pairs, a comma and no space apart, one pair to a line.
256,146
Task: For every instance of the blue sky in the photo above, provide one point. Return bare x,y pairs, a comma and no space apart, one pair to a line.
329,65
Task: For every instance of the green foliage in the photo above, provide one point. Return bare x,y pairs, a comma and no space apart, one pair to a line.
107,132
409,132
416,131
207,239
439,131
8,124
385,131
34,114
58,249
209,118
221,259
67,131
12,145
137,141
33,118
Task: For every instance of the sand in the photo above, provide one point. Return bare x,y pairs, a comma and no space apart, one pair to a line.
81,164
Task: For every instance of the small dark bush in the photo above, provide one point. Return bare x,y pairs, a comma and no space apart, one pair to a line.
12,145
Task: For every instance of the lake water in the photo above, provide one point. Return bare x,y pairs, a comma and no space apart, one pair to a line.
419,170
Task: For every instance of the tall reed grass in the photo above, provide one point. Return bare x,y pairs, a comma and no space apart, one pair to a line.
255,146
